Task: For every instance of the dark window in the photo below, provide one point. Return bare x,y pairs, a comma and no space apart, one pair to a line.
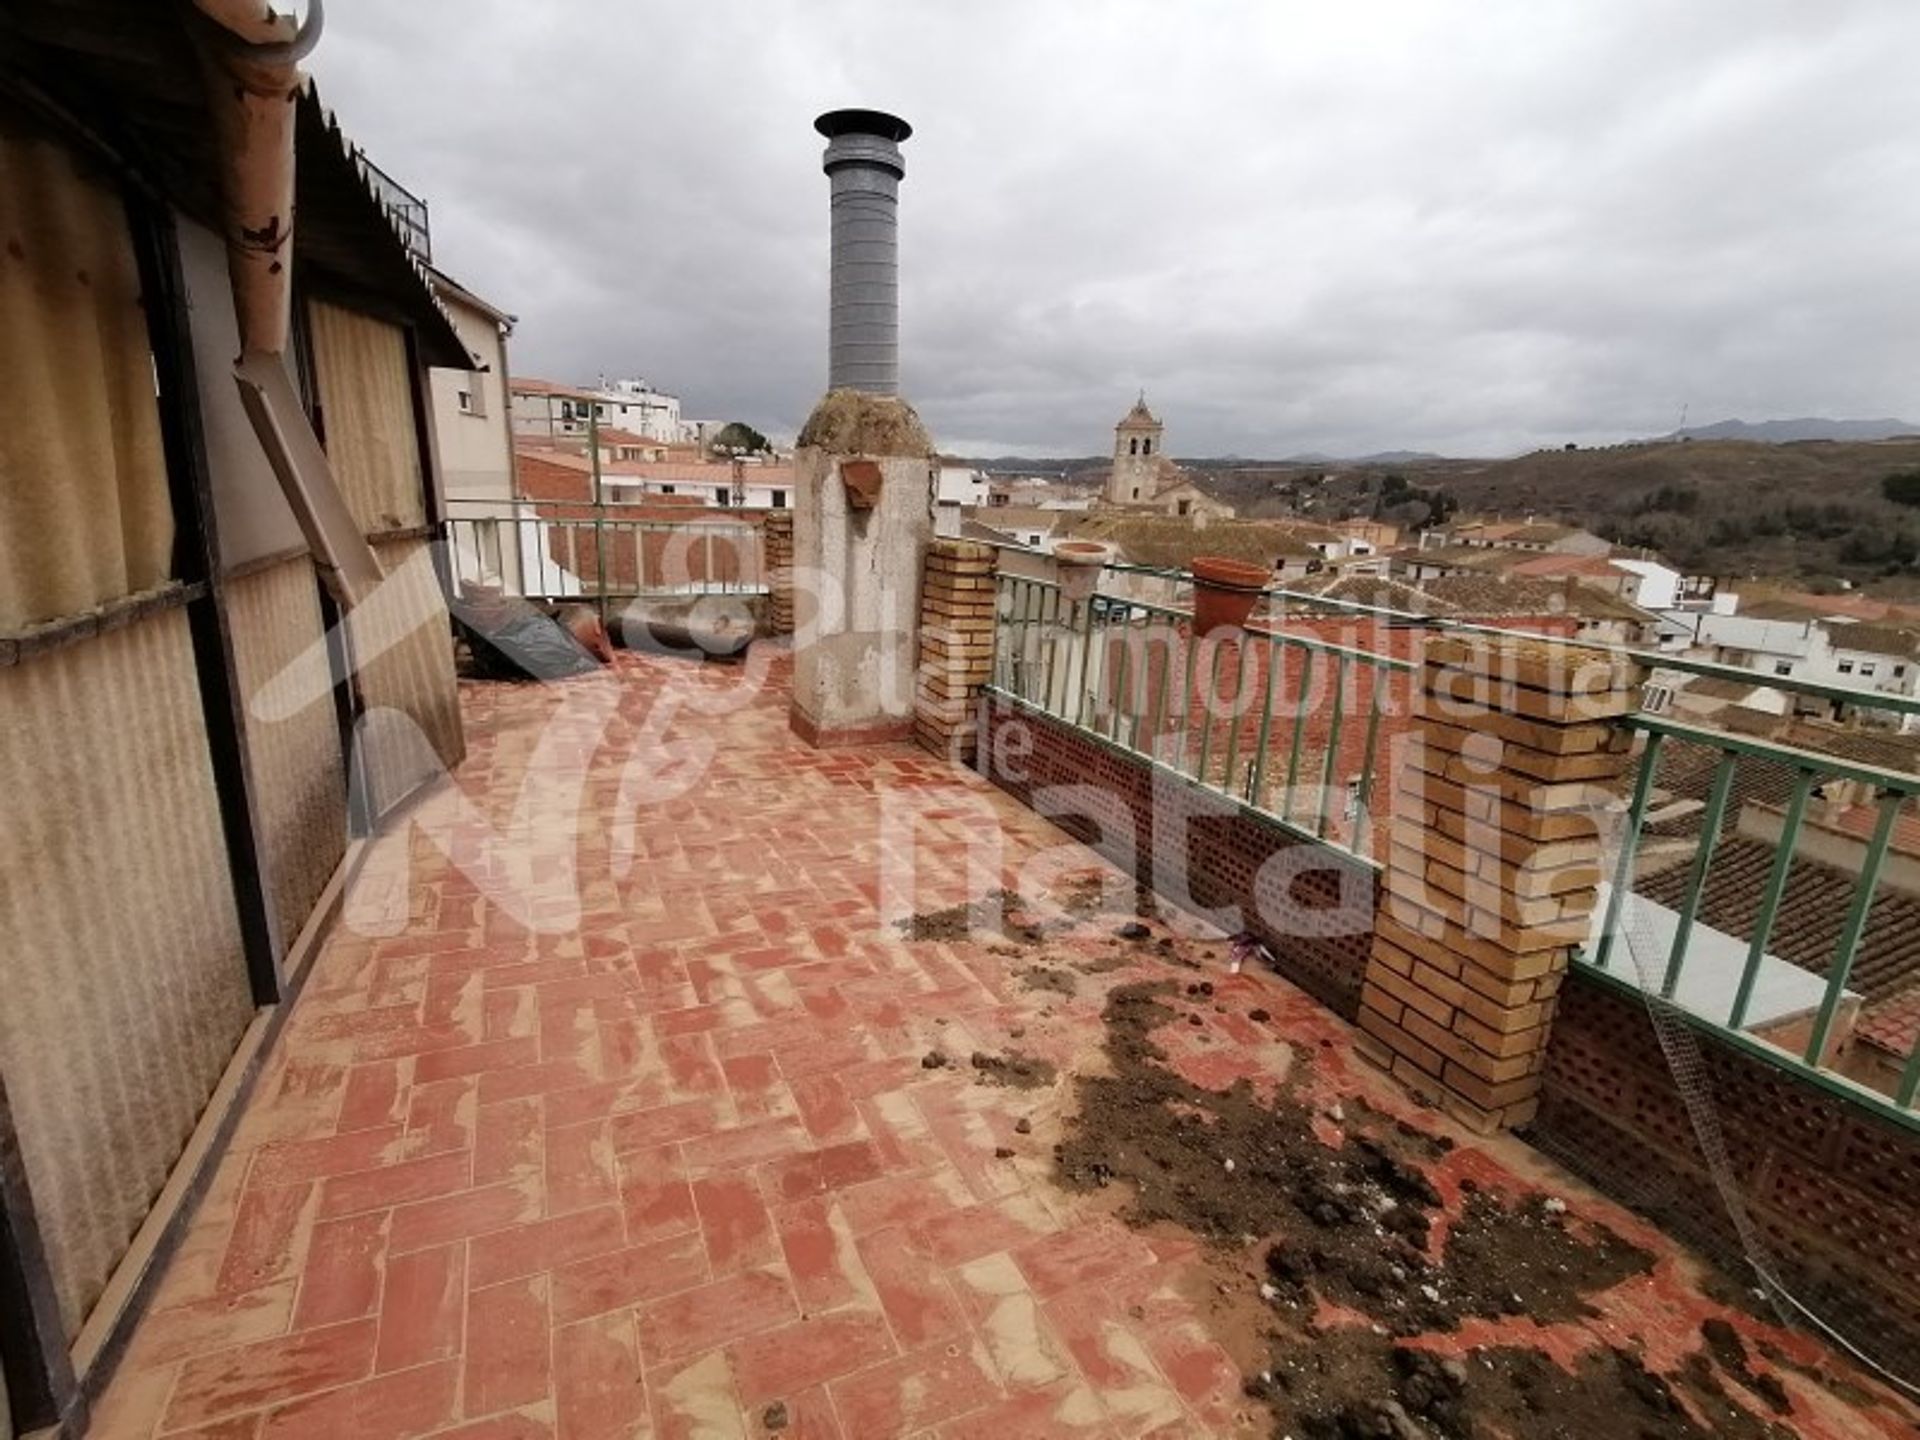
1133,446
1146,446
779,499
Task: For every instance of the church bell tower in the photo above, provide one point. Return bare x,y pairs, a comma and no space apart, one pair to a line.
1136,457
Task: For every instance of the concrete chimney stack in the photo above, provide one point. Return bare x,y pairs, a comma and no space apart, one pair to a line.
865,168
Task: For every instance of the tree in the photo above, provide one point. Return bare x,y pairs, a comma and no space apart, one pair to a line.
1902,487
738,435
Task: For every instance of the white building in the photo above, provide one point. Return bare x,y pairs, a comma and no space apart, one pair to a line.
749,487
1834,651
473,437
635,405
961,485
1656,588
553,414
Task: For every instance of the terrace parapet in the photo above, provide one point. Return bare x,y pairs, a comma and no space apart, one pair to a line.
1501,813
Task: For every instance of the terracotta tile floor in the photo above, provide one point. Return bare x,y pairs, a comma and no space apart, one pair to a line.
675,1158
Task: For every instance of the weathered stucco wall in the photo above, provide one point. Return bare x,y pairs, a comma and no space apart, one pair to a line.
855,654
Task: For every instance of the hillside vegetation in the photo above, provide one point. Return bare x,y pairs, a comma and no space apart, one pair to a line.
1809,511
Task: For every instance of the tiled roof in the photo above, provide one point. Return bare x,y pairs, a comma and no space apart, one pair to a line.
1875,640
1030,517
1893,1024
1717,687
1541,533
1686,773
1461,557
1172,544
1856,607
1596,566
1488,529
1890,750
1374,590
1806,929
529,385
1494,596
1750,720
1774,608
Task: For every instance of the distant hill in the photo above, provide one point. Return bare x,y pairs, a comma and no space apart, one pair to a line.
1732,508
1787,432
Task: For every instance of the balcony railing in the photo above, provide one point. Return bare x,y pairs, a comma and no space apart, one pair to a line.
406,209
1294,717
605,555
1722,969
1282,721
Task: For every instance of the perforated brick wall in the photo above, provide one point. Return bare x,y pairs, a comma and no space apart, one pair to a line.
1830,1186
1168,828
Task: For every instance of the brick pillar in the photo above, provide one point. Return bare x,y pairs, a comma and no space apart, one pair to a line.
777,537
1491,873
956,646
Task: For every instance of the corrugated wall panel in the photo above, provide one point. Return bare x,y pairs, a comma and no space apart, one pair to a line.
404,648
366,410
84,511
125,992
299,777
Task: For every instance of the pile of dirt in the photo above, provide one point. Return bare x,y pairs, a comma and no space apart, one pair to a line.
1008,914
1352,1385
998,912
1014,1070
1355,1224
1049,978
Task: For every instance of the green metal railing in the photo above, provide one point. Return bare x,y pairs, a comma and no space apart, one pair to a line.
606,556
1801,1032
1251,719
1282,722
1280,602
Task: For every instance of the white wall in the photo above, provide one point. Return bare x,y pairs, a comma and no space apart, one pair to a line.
961,485
633,405
1656,587
475,444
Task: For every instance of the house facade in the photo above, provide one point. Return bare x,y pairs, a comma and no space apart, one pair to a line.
473,432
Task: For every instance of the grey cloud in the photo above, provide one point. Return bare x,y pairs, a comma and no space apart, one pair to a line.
1470,228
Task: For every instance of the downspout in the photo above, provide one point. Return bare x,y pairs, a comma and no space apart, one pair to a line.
251,58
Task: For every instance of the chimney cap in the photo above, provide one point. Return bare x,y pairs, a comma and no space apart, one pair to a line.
863,122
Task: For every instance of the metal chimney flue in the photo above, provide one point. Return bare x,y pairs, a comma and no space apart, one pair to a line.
864,167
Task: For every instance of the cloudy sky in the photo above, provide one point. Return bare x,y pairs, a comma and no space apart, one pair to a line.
1467,227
